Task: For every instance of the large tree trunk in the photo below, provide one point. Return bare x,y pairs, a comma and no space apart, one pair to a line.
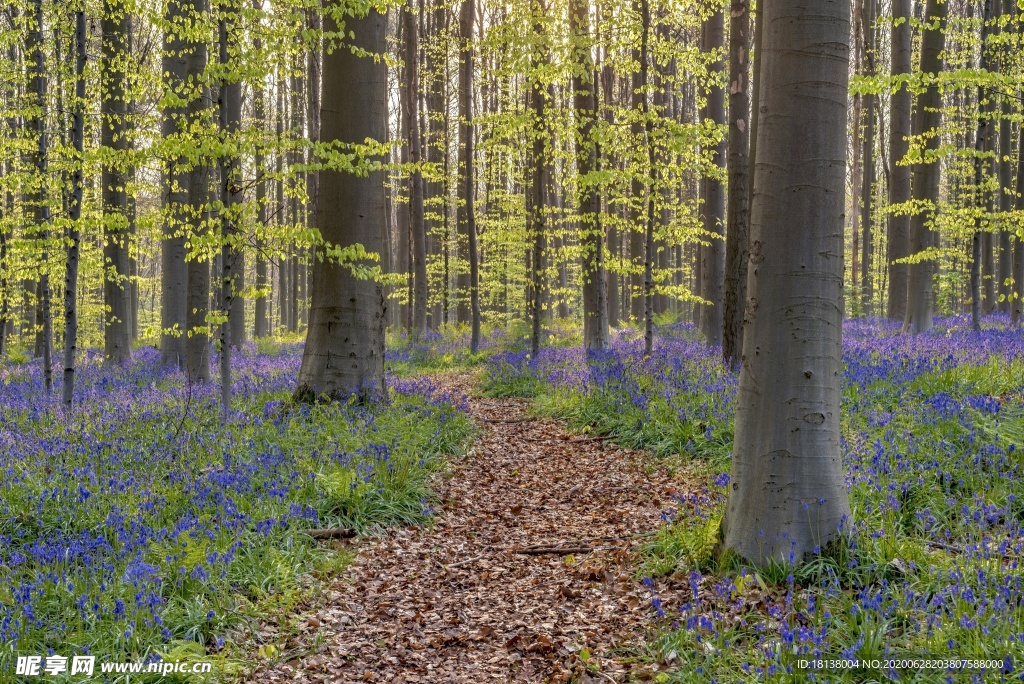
926,176
344,354
117,341
737,232
197,345
712,256
465,212
868,178
898,240
584,86
74,215
787,497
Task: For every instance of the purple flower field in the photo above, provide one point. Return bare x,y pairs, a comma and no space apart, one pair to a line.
145,525
933,428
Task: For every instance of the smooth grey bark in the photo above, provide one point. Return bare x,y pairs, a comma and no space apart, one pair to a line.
230,105
197,343
712,255
925,176
898,238
174,272
117,341
416,211
867,293
74,215
738,216
787,496
584,86
466,210
344,354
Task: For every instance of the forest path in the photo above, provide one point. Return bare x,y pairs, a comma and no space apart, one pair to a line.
455,602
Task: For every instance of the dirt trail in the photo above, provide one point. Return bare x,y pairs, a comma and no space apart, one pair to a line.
456,603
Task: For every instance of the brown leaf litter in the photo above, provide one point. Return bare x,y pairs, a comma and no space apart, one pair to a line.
526,575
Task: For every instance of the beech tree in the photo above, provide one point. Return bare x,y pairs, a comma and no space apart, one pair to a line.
344,353
787,497
925,174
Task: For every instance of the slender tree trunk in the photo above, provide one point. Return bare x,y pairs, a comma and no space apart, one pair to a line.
403,209
1018,247
44,341
281,210
197,345
926,176
898,240
537,217
981,142
113,137
787,496
584,87
755,111
313,97
868,179
74,215
613,277
737,232
855,170
344,353
261,320
712,270
231,197
465,211
645,104
1004,281
296,304
419,231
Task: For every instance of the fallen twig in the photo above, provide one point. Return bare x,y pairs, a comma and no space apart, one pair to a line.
510,422
332,533
554,550
460,563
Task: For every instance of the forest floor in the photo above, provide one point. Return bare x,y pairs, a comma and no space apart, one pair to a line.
528,572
